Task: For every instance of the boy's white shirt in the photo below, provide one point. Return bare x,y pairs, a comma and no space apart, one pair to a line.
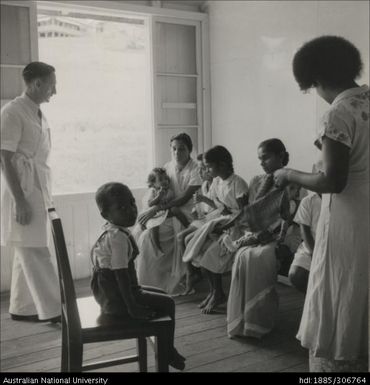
114,250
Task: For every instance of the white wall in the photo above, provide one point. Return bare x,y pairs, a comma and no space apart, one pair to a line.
254,94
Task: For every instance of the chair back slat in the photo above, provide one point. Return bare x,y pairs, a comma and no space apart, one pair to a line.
67,289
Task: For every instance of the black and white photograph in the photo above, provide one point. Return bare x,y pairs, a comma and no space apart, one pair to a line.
184,189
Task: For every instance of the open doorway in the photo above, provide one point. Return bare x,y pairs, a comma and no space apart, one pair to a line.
100,118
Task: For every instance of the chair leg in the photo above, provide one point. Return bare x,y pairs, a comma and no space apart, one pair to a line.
75,357
161,352
65,348
142,353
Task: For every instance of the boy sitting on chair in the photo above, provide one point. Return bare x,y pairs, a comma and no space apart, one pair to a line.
114,282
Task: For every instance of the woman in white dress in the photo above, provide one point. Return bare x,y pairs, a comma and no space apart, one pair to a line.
334,324
164,268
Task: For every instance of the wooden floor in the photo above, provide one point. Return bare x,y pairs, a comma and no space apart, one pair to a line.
202,339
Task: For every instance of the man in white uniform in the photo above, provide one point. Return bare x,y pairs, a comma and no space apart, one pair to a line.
26,196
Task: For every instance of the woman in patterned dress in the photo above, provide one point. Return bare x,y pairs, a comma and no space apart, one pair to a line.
334,324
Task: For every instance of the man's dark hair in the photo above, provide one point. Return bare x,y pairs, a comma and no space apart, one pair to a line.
36,70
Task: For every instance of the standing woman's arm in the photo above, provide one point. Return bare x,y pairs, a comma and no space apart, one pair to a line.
332,179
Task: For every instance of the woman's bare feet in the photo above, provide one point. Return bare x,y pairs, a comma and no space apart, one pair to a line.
205,301
213,302
191,280
189,291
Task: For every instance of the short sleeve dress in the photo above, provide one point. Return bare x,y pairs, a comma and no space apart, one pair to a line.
334,322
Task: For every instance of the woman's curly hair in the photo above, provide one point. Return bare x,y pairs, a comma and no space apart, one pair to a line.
329,60
152,177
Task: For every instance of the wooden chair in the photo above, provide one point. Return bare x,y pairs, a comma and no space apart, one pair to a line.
82,322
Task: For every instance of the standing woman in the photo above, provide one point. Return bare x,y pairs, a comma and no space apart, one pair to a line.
164,268
334,324
26,195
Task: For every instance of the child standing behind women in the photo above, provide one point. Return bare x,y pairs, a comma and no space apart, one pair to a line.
202,206
307,217
114,283
202,203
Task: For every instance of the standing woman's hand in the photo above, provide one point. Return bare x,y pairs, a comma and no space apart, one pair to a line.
281,177
23,212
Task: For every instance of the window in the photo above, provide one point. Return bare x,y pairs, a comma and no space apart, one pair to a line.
126,82
100,118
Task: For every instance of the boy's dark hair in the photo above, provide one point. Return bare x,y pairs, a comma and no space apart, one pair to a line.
110,193
218,155
36,70
329,60
184,138
157,171
276,146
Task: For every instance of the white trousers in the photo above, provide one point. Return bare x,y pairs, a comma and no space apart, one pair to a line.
35,285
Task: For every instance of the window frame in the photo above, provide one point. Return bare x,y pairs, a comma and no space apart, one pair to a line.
152,14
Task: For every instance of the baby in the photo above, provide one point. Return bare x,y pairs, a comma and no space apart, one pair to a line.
160,193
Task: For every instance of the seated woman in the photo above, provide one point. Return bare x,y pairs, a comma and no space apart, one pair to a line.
228,193
202,203
164,267
253,301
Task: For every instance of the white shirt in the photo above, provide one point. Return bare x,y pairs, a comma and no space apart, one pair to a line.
181,180
308,214
226,192
113,250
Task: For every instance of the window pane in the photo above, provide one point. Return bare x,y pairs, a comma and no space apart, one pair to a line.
178,98
176,53
99,119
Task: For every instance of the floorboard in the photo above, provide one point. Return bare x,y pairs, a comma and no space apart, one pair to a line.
35,347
